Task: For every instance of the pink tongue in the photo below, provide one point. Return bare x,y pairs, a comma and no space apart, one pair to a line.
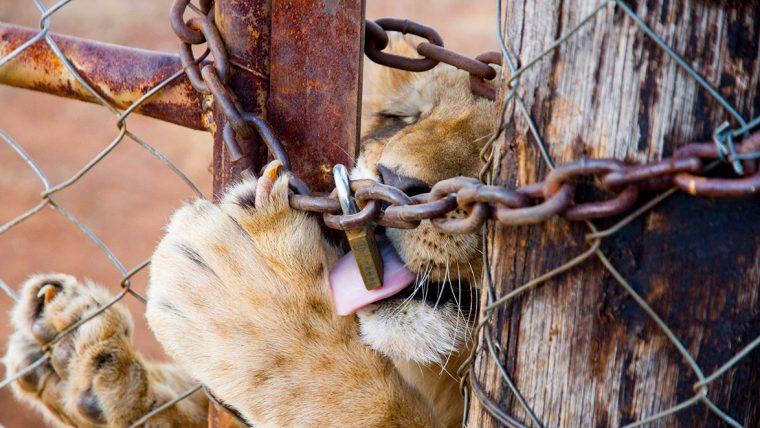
348,291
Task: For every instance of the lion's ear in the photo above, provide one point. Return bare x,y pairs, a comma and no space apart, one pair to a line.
392,80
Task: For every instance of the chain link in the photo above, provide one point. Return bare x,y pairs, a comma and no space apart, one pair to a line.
211,78
462,204
538,202
49,194
432,52
478,84
376,39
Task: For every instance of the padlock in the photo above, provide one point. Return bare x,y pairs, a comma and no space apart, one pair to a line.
361,240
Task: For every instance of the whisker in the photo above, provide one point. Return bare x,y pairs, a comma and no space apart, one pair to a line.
443,286
444,370
425,288
456,325
417,285
458,300
458,296
482,137
353,160
472,271
422,371
425,281
473,290
403,304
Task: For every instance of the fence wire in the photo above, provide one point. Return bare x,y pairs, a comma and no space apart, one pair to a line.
470,384
49,191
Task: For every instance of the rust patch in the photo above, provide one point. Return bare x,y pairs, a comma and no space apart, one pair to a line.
315,84
119,74
244,27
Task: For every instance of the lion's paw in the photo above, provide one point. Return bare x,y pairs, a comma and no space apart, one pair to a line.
88,376
248,278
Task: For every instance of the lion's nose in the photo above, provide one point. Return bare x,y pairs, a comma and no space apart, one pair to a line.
410,186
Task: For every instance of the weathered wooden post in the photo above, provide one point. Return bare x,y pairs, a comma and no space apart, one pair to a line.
304,80
579,347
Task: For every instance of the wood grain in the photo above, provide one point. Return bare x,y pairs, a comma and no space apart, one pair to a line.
580,349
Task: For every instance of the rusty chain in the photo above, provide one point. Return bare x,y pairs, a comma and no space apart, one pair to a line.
541,201
432,52
473,202
726,151
210,78
534,203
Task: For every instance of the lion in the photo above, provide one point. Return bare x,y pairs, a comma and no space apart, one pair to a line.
240,297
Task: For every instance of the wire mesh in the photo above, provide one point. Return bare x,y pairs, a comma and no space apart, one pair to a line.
594,237
470,383
50,190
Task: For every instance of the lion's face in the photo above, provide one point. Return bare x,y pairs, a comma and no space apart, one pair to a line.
425,127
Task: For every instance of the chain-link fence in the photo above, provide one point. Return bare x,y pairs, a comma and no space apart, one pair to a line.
724,150
50,190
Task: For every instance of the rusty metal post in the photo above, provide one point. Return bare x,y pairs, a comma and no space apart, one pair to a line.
314,101
305,80
120,74
245,28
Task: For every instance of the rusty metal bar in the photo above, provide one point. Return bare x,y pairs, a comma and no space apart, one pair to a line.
120,74
304,80
244,27
314,102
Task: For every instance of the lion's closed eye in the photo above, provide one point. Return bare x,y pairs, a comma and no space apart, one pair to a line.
407,118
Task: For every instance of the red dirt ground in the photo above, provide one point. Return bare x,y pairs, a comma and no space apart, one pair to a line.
126,199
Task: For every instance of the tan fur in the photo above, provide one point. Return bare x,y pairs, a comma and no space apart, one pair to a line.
439,128
96,362
239,298
256,296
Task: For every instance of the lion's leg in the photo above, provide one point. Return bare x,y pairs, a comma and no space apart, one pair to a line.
93,375
239,297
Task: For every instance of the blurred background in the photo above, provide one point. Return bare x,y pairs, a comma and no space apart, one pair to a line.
128,197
